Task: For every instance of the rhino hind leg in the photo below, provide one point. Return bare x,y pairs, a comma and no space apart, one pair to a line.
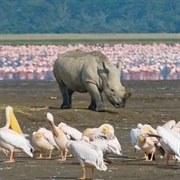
67,98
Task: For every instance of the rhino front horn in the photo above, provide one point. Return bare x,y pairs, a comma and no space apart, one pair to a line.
128,94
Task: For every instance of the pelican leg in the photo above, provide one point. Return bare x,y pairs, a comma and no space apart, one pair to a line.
175,161
167,159
64,155
152,155
50,154
134,155
61,154
145,156
107,160
40,155
83,173
92,175
11,158
70,155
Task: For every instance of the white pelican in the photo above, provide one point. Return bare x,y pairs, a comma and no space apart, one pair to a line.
169,141
148,144
59,137
106,130
88,155
11,140
11,120
169,125
177,127
134,138
44,140
71,133
107,146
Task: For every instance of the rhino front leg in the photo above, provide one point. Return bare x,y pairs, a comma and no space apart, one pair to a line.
96,98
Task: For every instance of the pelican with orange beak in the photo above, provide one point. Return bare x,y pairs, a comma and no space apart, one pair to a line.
13,139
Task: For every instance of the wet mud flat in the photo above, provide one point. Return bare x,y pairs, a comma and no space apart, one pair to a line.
153,102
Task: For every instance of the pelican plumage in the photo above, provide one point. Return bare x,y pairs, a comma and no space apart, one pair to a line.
107,147
13,141
134,133
169,125
44,140
59,136
169,141
148,144
106,130
71,132
88,155
176,127
105,133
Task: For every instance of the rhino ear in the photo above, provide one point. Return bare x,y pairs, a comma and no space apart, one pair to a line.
119,65
105,67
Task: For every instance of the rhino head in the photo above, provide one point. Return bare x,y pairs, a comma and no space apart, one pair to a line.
112,87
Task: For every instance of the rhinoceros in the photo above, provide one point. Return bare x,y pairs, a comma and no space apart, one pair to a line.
91,72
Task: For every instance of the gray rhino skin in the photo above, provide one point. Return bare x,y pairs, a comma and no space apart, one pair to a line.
89,72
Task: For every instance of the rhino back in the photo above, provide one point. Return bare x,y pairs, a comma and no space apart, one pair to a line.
74,68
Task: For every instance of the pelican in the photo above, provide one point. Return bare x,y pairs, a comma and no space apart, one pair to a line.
88,155
71,133
59,137
44,140
169,141
106,130
107,147
148,144
11,120
134,138
169,125
177,127
11,140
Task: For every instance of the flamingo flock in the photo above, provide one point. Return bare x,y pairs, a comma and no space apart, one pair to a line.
140,62
92,146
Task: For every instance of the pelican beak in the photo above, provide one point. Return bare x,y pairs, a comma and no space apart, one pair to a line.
153,135
106,131
14,123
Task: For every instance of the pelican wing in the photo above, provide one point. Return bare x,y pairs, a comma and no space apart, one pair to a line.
177,125
102,144
73,133
169,125
169,139
49,137
87,152
115,146
18,141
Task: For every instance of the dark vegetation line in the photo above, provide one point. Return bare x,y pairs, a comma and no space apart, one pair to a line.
98,16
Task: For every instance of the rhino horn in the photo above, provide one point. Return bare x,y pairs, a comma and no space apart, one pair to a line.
128,94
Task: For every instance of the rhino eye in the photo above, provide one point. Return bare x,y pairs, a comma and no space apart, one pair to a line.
112,90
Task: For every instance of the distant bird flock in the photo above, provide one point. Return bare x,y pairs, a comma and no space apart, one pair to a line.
140,62
92,146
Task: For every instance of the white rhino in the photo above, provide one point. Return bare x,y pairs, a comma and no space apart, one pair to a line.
89,72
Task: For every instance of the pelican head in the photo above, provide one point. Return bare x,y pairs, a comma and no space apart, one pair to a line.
50,117
12,121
